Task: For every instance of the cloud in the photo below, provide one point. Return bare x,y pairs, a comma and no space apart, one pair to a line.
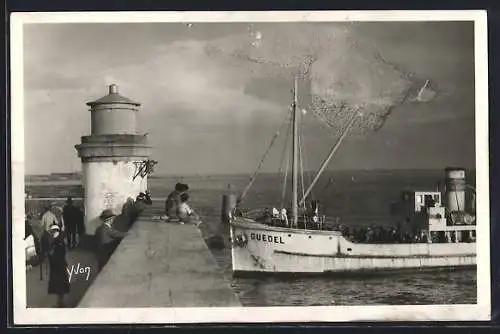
227,85
179,80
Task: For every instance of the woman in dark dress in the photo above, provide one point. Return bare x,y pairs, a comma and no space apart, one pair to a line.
58,274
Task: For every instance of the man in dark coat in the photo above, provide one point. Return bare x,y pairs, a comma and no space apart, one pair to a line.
108,238
80,224
58,274
28,230
70,217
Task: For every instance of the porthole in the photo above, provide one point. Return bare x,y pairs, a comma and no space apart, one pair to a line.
309,237
289,235
349,249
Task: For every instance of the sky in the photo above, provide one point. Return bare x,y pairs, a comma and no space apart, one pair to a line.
213,94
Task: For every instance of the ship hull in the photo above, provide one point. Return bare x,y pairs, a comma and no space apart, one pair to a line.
261,249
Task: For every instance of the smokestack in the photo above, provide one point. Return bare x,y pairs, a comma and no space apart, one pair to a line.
455,189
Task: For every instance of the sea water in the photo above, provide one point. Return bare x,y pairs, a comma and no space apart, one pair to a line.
359,198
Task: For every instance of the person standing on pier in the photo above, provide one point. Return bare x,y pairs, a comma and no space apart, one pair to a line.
80,223
48,217
70,217
28,230
108,238
58,274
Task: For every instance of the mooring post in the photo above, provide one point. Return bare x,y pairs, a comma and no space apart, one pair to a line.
228,204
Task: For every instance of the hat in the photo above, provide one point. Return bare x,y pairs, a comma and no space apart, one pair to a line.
181,187
54,227
106,214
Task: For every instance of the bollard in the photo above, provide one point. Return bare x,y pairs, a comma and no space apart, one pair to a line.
220,239
228,204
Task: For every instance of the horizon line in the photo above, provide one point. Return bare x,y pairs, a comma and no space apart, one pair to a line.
269,172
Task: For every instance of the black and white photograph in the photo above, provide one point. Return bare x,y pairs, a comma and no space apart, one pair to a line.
209,167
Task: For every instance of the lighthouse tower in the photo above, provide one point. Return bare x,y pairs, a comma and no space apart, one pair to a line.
111,156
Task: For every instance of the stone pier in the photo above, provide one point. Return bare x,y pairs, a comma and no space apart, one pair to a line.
161,265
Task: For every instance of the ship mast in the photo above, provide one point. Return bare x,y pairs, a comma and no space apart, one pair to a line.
295,158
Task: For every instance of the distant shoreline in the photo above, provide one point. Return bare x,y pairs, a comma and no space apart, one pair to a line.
55,177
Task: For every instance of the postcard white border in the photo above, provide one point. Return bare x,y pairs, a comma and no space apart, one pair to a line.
479,311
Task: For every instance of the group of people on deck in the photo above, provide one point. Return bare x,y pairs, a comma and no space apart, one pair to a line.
383,234
308,216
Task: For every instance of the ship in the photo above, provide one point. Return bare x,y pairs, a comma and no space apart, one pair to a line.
265,242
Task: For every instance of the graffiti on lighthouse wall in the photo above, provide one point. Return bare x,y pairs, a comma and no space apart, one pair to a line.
108,199
115,184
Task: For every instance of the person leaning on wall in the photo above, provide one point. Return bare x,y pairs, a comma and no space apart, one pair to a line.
142,201
108,238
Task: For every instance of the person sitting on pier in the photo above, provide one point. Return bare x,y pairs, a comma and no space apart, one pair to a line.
174,200
185,213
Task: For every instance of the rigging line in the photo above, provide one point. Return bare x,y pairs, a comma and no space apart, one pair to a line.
305,160
287,165
284,154
300,161
308,175
330,155
261,163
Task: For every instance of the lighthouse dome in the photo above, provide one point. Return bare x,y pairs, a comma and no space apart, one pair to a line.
113,114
